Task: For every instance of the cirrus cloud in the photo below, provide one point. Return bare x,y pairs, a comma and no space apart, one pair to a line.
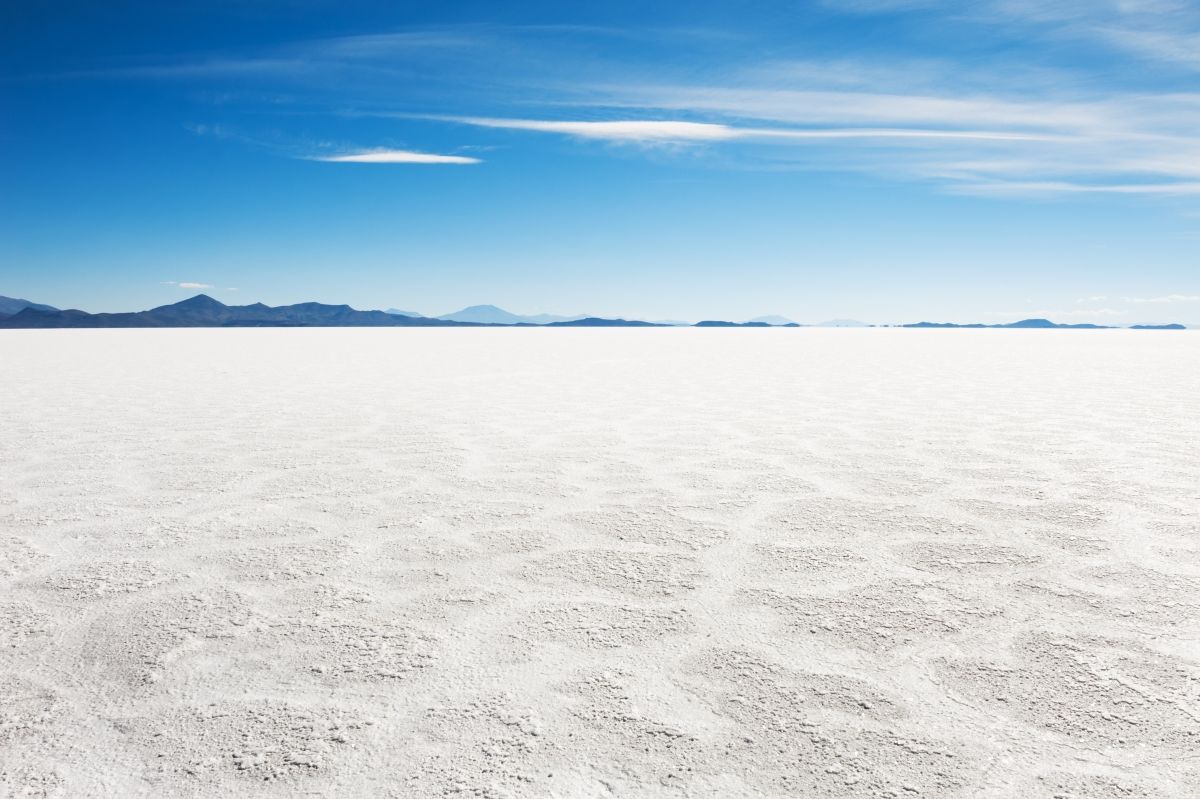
396,157
1169,298
677,131
186,284
620,130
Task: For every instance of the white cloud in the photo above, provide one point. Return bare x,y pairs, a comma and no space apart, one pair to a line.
1067,187
1021,137
997,123
817,106
642,130
897,133
1167,31
621,130
396,157
194,285
1167,299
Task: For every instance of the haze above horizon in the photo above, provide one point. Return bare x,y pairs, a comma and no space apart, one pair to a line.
886,160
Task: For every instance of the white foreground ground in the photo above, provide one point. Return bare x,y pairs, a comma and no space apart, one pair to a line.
580,563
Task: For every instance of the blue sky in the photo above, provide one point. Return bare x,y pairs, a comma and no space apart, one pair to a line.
888,160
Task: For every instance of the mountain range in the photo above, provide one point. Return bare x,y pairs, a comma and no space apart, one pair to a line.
11,305
1045,324
1034,324
491,315
204,311
721,323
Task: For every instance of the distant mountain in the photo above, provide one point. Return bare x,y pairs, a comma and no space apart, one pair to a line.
1046,323
398,312
720,323
549,318
592,321
842,323
204,311
486,314
11,305
671,322
772,320
1024,324
491,315
1175,326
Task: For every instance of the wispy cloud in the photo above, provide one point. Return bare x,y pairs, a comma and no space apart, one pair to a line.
312,58
1166,31
331,152
1034,187
395,157
1136,144
642,130
1170,298
617,130
187,285
998,125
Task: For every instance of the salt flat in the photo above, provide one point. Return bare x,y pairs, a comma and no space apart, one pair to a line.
406,562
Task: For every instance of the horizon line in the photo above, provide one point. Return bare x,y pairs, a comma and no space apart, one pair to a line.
556,320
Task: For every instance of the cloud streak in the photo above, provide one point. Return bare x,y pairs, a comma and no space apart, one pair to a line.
676,131
989,126
632,130
395,157
1126,143
1170,298
1165,31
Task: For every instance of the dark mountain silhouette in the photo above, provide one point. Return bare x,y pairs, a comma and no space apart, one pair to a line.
1024,324
720,323
1046,323
593,321
204,311
12,305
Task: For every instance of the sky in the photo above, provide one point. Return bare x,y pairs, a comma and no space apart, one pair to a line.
883,160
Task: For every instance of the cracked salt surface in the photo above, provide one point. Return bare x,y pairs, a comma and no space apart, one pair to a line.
534,563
